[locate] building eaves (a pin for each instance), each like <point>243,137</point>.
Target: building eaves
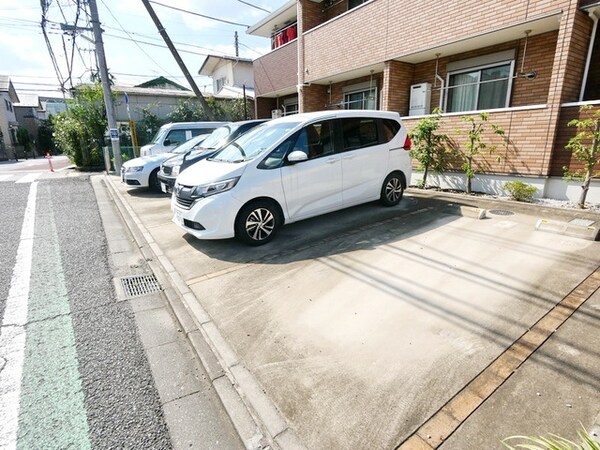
<point>210,63</point>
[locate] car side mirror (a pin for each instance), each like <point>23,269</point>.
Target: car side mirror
<point>297,156</point>
<point>167,142</point>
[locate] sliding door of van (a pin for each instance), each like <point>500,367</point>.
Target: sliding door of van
<point>364,160</point>
<point>313,186</point>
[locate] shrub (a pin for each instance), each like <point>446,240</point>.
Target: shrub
<point>553,442</point>
<point>519,191</point>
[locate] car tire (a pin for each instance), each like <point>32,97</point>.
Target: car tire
<point>392,189</point>
<point>257,222</point>
<point>153,182</point>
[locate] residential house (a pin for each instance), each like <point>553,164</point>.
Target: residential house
<point>29,112</point>
<point>531,65</point>
<point>232,77</point>
<point>8,120</point>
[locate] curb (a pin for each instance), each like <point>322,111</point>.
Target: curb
<point>257,420</point>
<point>568,229</point>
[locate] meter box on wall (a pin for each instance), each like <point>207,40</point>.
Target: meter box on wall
<point>420,99</point>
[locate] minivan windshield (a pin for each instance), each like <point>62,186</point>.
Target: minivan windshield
<point>159,135</point>
<point>217,138</point>
<point>189,145</point>
<point>251,144</point>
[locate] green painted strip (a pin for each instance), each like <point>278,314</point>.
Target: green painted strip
<point>52,412</point>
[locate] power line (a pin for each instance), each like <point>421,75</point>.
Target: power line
<point>254,6</point>
<point>201,15</point>
<point>136,43</point>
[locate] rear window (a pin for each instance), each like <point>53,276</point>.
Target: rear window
<point>199,131</point>
<point>390,129</point>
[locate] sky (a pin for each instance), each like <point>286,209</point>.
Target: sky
<point>25,57</point>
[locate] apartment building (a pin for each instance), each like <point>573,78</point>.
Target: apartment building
<point>530,63</point>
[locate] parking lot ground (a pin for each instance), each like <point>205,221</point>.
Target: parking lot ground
<point>362,325</point>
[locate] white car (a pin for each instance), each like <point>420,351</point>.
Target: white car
<point>291,169</point>
<point>142,172</point>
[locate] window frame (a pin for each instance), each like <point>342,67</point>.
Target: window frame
<point>479,69</point>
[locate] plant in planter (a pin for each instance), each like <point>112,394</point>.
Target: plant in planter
<point>585,146</point>
<point>428,148</point>
<point>552,442</point>
<point>475,144</point>
<point>519,191</point>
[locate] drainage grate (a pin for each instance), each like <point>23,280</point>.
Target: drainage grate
<point>500,212</point>
<point>581,222</point>
<point>139,285</point>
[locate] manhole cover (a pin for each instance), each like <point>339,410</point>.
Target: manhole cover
<point>139,285</point>
<point>581,222</point>
<point>501,212</point>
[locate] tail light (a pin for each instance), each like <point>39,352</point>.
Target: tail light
<point>407,143</point>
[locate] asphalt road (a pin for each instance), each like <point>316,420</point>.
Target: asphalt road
<point>82,365</point>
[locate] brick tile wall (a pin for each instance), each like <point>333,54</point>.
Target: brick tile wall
<point>379,29</point>
<point>521,152</point>
<point>276,70</point>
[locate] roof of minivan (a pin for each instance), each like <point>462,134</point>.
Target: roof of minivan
<point>193,124</point>
<point>302,117</point>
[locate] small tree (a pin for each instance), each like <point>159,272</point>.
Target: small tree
<point>24,139</point>
<point>475,144</point>
<point>586,148</point>
<point>428,148</point>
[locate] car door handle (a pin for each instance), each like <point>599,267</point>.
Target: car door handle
<point>332,160</point>
<point>349,156</point>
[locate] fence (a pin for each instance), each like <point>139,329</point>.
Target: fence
<point>127,153</point>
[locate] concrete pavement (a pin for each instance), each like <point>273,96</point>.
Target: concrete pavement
<point>410,327</point>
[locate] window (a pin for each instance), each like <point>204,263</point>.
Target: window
<point>390,129</point>
<point>480,83</point>
<point>176,137</point>
<point>366,99</point>
<point>359,133</point>
<point>315,140</point>
<point>355,3</point>
<point>290,108</point>
<point>220,83</point>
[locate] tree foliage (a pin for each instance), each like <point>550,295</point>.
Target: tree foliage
<point>475,143</point>
<point>428,145</point>
<point>79,132</point>
<point>585,146</point>
<point>24,139</point>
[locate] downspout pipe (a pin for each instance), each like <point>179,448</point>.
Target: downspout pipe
<point>594,15</point>
<point>300,46</point>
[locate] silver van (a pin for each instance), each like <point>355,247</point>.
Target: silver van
<point>171,135</point>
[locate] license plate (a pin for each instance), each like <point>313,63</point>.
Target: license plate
<point>164,188</point>
<point>178,217</point>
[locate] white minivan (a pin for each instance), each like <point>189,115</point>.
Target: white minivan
<point>172,134</point>
<point>293,168</point>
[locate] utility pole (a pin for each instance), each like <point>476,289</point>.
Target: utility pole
<point>108,101</point>
<point>188,77</point>
<point>237,45</point>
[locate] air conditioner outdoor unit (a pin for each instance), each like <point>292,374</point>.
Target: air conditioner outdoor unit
<point>276,113</point>
<point>420,99</point>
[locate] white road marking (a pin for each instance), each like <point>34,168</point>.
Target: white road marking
<point>30,177</point>
<point>5,177</point>
<point>13,332</point>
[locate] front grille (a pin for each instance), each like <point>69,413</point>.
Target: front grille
<point>184,202</point>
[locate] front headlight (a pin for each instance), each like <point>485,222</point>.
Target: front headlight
<point>217,187</point>
<point>134,169</point>
<point>175,170</point>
